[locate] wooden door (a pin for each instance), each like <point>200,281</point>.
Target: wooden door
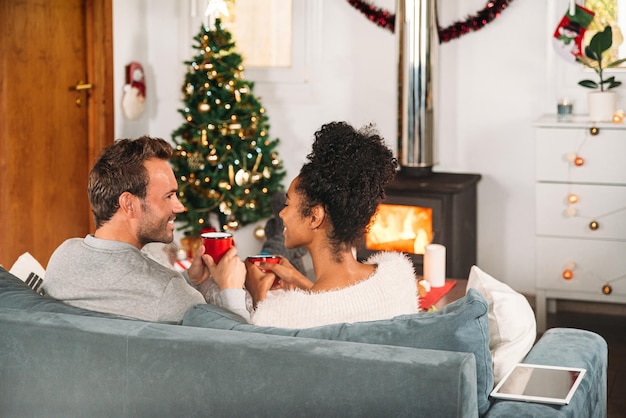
<point>50,134</point>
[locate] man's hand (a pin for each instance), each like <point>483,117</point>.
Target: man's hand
<point>230,272</point>
<point>198,272</point>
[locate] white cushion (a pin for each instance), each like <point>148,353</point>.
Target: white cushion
<point>28,269</point>
<point>512,324</point>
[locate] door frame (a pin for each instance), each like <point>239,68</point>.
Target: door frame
<point>101,120</point>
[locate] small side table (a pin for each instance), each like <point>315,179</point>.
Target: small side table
<point>457,292</point>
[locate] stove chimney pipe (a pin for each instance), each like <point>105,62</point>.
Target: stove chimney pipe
<point>418,41</point>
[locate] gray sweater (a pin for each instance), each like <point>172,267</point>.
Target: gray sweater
<point>115,277</point>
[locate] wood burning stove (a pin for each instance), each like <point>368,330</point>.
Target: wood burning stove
<point>450,201</point>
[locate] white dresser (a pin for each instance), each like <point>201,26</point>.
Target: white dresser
<point>580,212</point>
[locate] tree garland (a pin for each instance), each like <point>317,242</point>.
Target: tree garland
<point>386,19</point>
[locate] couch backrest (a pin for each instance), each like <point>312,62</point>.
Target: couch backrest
<point>59,365</point>
<point>461,326</point>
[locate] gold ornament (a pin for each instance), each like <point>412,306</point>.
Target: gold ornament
<point>195,161</point>
<point>190,244</point>
<point>212,158</point>
<point>259,232</point>
<point>255,177</point>
<point>607,289</point>
<point>203,107</point>
<point>242,177</point>
<point>225,208</point>
<point>593,225</point>
<point>223,184</point>
<point>213,194</point>
<point>232,225</point>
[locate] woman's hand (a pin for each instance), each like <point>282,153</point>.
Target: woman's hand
<point>230,272</point>
<point>258,282</point>
<point>289,277</point>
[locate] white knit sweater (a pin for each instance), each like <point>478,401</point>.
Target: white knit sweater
<point>390,291</point>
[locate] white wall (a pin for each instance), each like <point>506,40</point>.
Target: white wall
<point>493,84</point>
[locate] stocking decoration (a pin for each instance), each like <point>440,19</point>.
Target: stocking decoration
<point>569,33</point>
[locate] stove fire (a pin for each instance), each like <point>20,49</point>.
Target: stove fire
<point>400,228</point>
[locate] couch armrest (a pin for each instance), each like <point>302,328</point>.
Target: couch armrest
<point>566,347</point>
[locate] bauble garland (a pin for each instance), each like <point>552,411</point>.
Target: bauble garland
<point>386,19</point>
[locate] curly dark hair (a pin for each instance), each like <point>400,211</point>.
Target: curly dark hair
<point>347,173</point>
<point>120,169</point>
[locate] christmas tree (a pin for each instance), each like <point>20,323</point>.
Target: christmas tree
<point>225,162</point>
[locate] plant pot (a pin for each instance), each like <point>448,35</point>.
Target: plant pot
<point>602,105</point>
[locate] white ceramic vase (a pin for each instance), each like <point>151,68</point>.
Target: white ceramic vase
<point>602,105</point>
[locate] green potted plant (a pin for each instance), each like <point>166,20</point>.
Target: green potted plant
<point>602,101</point>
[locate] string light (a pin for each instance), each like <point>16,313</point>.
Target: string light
<point>575,159</point>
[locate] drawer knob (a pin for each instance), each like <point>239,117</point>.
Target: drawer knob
<point>607,289</point>
<point>594,130</point>
<point>593,225</point>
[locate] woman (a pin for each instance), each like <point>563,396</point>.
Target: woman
<point>328,209</point>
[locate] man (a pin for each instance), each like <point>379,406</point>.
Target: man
<point>133,195</point>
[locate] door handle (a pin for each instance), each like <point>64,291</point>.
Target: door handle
<point>81,86</point>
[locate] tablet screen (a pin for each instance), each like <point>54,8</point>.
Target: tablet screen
<point>539,383</point>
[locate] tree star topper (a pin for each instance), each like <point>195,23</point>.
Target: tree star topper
<point>214,10</point>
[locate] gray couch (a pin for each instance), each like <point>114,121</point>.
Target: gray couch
<point>61,361</point>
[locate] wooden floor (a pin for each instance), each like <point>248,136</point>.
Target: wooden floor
<point>613,329</point>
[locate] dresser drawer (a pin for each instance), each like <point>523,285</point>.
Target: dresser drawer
<point>596,264</point>
<point>603,155</point>
<point>604,204</point>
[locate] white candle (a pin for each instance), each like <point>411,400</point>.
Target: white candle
<point>435,265</point>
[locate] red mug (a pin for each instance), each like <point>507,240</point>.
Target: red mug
<point>262,258</point>
<point>217,243</point>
